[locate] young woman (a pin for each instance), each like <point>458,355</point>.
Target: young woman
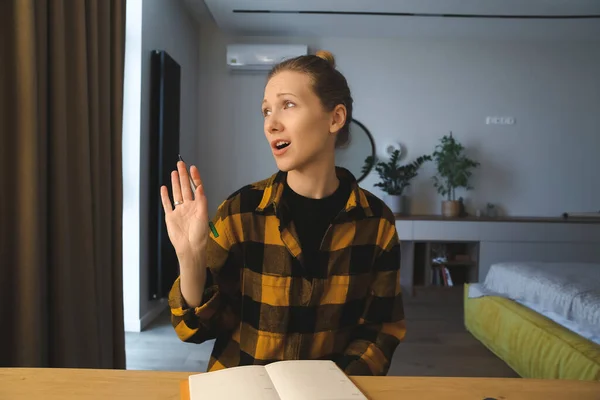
<point>302,265</point>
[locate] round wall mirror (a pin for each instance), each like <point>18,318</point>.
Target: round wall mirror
<point>352,156</point>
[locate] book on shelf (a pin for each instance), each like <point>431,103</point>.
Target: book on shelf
<point>282,380</point>
<point>441,276</point>
<point>447,277</point>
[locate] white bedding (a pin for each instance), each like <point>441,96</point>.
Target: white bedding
<point>566,291</point>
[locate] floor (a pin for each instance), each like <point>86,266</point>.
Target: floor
<point>436,344</point>
<point>158,348</point>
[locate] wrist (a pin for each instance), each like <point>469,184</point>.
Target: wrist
<point>192,257</point>
<point>190,263</point>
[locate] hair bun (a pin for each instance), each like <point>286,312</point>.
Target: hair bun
<point>327,56</point>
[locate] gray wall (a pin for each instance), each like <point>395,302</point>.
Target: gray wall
<point>165,25</point>
<point>414,91</point>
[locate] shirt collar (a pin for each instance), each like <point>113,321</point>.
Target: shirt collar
<point>276,183</point>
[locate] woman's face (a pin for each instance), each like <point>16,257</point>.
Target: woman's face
<point>299,130</point>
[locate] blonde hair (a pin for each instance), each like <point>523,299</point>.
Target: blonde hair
<point>327,56</point>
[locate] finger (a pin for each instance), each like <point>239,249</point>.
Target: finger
<point>176,186</point>
<point>195,174</point>
<point>200,191</point>
<point>184,180</point>
<point>166,201</point>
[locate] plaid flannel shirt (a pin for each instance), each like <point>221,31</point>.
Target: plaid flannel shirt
<point>262,305</point>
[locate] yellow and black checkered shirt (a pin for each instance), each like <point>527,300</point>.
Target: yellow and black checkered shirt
<point>260,303</point>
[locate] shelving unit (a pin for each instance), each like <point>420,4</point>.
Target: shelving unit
<point>459,259</point>
<point>491,240</point>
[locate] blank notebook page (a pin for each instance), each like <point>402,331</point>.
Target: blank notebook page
<point>251,382</point>
<point>315,380</point>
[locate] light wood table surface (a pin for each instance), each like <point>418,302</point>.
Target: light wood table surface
<point>82,384</point>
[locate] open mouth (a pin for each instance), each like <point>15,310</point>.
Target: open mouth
<point>282,144</point>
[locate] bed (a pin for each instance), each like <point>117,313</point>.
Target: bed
<point>542,319</point>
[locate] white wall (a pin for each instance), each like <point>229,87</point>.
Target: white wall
<point>416,90</point>
<point>131,165</point>
<point>164,25</point>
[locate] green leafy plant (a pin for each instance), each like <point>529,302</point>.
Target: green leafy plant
<point>453,167</point>
<point>394,177</point>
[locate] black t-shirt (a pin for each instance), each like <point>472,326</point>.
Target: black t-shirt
<point>312,218</point>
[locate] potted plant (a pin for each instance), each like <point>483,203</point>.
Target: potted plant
<point>453,171</point>
<point>395,178</point>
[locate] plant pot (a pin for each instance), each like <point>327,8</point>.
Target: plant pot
<point>398,204</point>
<point>451,208</point>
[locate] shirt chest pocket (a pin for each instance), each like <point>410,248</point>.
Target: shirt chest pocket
<point>266,289</point>
<point>340,289</point>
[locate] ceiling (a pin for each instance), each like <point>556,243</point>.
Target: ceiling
<point>400,18</point>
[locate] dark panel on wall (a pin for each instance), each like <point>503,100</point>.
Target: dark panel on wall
<point>164,149</point>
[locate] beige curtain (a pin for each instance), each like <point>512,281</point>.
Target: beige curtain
<point>61,88</point>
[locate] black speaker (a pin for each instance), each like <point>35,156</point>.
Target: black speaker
<point>165,75</point>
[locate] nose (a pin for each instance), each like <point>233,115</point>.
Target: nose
<point>273,124</point>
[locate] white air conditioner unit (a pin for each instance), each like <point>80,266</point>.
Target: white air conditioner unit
<point>261,57</point>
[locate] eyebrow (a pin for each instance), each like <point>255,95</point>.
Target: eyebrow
<point>279,95</point>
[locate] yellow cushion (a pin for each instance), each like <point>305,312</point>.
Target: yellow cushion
<point>531,344</point>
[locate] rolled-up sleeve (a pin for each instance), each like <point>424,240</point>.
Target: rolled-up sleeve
<point>382,326</point>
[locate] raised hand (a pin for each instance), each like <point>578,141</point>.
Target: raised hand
<point>187,222</point>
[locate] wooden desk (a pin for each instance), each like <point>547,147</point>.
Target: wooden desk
<point>82,384</point>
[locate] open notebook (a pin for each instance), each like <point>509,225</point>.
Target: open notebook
<point>283,380</point>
